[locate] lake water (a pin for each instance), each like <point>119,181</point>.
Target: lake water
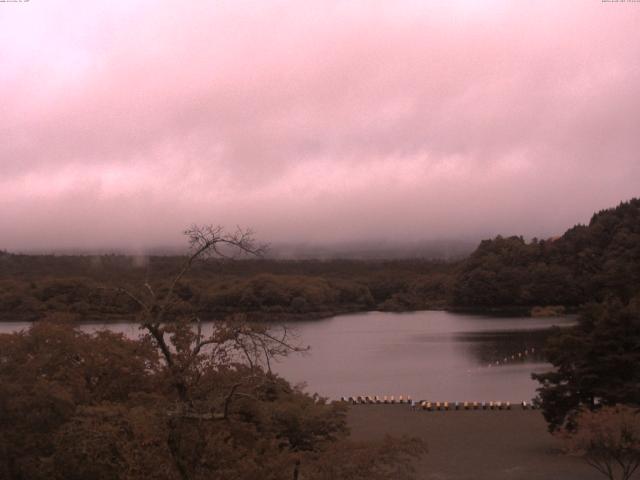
<point>432,355</point>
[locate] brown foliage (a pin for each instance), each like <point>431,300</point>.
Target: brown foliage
<point>80,406</point>
<point>609,440</point>
<point>178,403</point>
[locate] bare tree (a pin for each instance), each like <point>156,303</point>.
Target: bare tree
<point>609,440</point>
<point>189,354</point>
<point>181,340</point>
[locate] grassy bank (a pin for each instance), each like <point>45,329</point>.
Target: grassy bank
<point>474,445</point>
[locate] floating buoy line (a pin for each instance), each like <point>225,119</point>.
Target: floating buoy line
<point>513,358</point>
<point>444,406</point>
<point>436,406</point>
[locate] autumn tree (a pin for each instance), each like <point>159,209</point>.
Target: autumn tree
<point>49,373</point>
<point>209,371</point>
<point>608,439</point>
<point>185,401</point>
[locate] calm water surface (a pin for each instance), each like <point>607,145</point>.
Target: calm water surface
<point>429,355</point>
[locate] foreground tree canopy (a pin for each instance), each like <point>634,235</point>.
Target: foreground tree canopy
<point>177,403</point>
<point>85,406</point>
<point>596,363</point>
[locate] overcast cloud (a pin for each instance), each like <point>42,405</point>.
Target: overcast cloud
<point>125,121</point>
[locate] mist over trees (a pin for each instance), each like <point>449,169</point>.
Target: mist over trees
<point>587,263</point>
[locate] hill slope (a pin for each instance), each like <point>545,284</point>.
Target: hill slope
<point>587,263</point>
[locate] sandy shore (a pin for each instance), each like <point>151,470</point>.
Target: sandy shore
<point>478,445</point>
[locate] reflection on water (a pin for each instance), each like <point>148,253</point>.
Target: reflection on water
<point>505,347</point>
<point>432,354</point>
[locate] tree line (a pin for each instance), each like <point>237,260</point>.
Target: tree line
<point>34,286</point>
<point>587,263</point>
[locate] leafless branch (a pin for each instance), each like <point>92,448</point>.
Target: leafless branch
<point>126,292</point>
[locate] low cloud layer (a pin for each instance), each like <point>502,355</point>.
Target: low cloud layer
<point>125,121</point>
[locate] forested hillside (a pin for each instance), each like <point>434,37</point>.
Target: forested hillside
<point>587,263</point>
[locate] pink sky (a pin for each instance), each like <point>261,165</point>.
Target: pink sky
<point>125,121</point>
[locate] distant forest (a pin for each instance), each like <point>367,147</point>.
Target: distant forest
<point>587,263</point>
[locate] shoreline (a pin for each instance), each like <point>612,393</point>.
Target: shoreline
<point>275,317</point>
